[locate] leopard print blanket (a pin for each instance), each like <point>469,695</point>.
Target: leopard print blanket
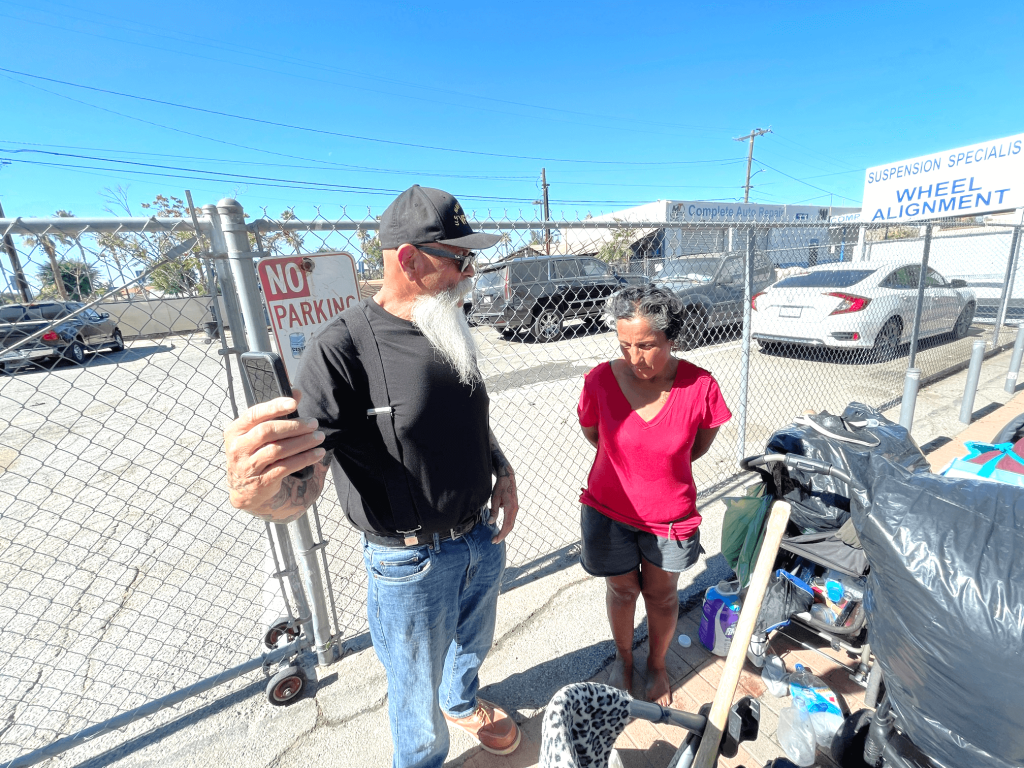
<point>581,724</point>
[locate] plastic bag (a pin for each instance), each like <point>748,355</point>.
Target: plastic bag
<point>796,734</point>
<point>774,675</point>
<point>945,602</point>
<point>820,502</point>
<point>743,530</point>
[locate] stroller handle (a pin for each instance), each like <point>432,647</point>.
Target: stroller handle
<point>656,713</point>
<point>794,462</point>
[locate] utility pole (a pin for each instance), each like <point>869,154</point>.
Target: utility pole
<point>750,156</point>
<point>19,274</point>
<point>547,214</point>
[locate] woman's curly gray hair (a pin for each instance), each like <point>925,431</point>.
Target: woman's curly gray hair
<point>658,306</point>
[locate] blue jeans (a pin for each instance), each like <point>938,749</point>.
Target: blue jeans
<point>432,611</point>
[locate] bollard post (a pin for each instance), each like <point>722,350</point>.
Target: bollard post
<point>911,382</point>
<point>973,375</point>
<point>1018,350</point>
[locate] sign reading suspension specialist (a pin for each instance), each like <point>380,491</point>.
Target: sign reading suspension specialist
<point>303,294</point>
<point>968,181</point>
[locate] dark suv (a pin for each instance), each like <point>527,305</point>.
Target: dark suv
<point>538,294</point>
<point>53,333</point>
<point>711,287</point>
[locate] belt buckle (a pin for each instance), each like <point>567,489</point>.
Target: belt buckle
<point>409,538</point>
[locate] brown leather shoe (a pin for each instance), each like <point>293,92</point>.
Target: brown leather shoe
<point>496,731</point>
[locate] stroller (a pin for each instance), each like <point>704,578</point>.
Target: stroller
<point>945,613</point>
<point>820,552</point>
<point>583,720</point>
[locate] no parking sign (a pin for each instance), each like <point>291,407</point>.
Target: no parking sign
<point>303,294</point>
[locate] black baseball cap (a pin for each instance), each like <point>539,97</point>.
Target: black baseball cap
<point>423,215</point>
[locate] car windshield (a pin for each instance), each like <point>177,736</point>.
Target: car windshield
<point>491,279</point>
<point>826,278</point>
<point>696,269</point>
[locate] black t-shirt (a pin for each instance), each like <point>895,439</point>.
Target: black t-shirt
<point>442,424</point>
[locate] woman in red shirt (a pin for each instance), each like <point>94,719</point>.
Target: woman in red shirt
<point>650,415</point>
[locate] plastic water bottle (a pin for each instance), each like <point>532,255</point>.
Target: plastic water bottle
<point>796,734</point>
<point>821,703</point>
<point>774,676</point>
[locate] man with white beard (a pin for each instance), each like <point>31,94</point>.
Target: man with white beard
<point>391,399</point>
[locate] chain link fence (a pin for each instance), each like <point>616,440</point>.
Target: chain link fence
<point>126,573</point>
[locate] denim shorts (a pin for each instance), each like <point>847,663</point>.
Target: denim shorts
<point>611,548</point>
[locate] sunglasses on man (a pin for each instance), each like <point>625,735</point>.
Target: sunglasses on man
<point>465,262</point>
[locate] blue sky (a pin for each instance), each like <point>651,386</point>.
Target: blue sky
<point>622,104</point>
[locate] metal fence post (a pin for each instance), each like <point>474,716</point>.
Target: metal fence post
<point>911,382</point>
<point>296,538</point>
<point>1018,350</point>
<point>859,254</point>
<point>228,293</point>
<point>920,295</point>
<point>236,237</point>
<point>748,290</point>
<point>1007,289</point>
<point>973,375</point>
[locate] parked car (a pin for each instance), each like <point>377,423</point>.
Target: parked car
<point>861,305</point>
<point>988,290</point>
<point>62,336</point>
<point>711,288</point>
<point>539,294</point>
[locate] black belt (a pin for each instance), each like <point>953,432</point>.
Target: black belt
<point>398,540</point>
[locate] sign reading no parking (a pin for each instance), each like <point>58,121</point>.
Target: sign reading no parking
<point>303,294</point>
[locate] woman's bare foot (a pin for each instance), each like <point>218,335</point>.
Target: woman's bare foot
<point>620,675</point>
<point>659,689</point>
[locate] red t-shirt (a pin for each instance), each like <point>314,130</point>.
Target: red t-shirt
<point>642,474</point>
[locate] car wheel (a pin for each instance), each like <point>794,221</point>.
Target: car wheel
<point>887,342</point>
<point>75,352</point>
<point>963,322</point>
<point>695,327</point>
<point>118,344</point>
<point>548,325</point>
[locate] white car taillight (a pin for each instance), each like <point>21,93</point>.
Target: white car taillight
<point>850,303</point>
<point>753,300</point>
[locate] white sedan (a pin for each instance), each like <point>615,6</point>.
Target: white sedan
<point>860,305</point>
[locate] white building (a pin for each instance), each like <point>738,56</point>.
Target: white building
<point>675,228</point>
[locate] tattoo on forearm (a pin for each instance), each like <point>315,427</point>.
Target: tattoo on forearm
<point>296,493</point>
<point>501,465</point>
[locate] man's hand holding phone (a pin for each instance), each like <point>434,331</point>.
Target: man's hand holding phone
<point>264,447</point>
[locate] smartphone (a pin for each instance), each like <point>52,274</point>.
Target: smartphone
<point>269,380</point>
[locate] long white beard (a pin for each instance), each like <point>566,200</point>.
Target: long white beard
<point>442,321</point>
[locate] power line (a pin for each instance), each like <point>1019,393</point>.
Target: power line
<point>295,61</point>
<point>812,186</point>
<point>162,171</point>
<point>341,166</point>
<point>324,132</point>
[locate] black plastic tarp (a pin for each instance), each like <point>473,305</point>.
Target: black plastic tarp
<point>820,502</point>
<point>945,602</point>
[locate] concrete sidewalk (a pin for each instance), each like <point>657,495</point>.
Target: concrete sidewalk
<point>551,631</point>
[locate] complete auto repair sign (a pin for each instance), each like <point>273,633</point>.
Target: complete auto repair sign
<point>303,294</point>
